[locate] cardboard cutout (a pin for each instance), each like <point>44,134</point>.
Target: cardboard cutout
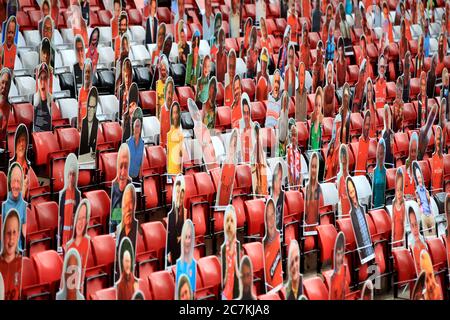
<point>274,102</point>
<point>184,289</point>
<point>80,59</point>
<point>119,185</point>
<point>186,263</point>
<point>415,242</point>
<point>5,106</point>
<point>175,140</point>
<point>84,4</point>
<point>203,136</point>
<point>10,32</point>
<point>45,56</point>
<point>69,200</point>
<point>294,283</point>
<point>92,50</point>
<point>84,91</point>
<point>228,171</point>
<point>277,194</point>
<point>161,36</point>
<point>419,287</point>
<point>259,165</point>
<point>272,249</point>
<point>437,162</point>
<point>235,18</point>
<point>123,85</point>
<point>252,55</point>
<point>117,9</point>
<point>15,202</point>
<point>138,295</point>
<point>379,177</point>
<point>55,10</point>
<point>89,129</point>
<point>363,146</point>
<point>329,92</point>
<point>246,280</point>
<point>151,21</point>
<point>426,131</point>
<point>423,200</point>
<point>203,81</point>
<point>2,288</point>
<point>122,27</point>
<point>220,57</point>
<point>367,291</point>
<point>312,197</point>
<point>294,157</point>
<point>301,95</point>
<point>136,144</point>
<point>175,221</point>
<point>128,115</point>
<point>193,61</point>
<point>236,101</point>
<point>209,106</point>
<point>388,137</point>
<point>433,290</point>
<point>282,131</point>
<point>128,227</point>
<point>246,128</point>
<point>21,156</point>
<point>163,70</point>
<point>11,256</point>
<point>398,212</point>
<point>344,202</point>
<point>183,46</point>
<point>42,101</point>
<point>77,22</point>
<point>262,77</point>
<point>169,91</point>
<point>229,78</point>
<point>230,256</point>
<point>359,224</point>
<point>71,277</point>
<point>127,283</point>
<point>290,72</point>
<point>12,6</point>
<point>338,278</point>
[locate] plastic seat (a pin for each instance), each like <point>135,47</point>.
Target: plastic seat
<point>105,294</point>
<point>151,129</point>
<point>154,235</point>
<point>315,289</point>
<point>327,235</point>
<point>109,106</point>
<point>108,167</point>
<point>48,265</point>
<point>100,208</point>
<point>148,100</point>
<point>249,87</point>
<point>162,285</point>
<point>112,132</point>
<point>184,93</point>
<point>26,86</point>
<point>254,250</point>
<point>209,270</point>
<point>405,269</point>
<point>254,215</point>
<point>140,52</point>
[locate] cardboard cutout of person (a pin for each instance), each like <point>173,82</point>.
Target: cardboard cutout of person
<point>127,284</point>
<point>84,91</point>
<point>123,85</point>
<point>89,129</point>
<point>344,202</point>
<point>12,6</point>
<point>161,36</point>
<point>294,158</point>
<point>42,101</point>
<point>437,162</point>
<point>282,126</point>
<point>15,202</point>
<point>71,277</point>
<point>209,106</point>
<point>78,66</point>
<point>294,283</point>
<point>55,10</point>
<point>367,291</point>
<point>290,72</point>
<point>175,221</point>
<point>203,81</point>
<point>313,194</point>
<point>203,136</point>
<point>84,4</point>
<point>379,177</point>
<point>246,128</point>
<point>5,106</point>
<point>92,50</point>
<point>433,290</point>
<point>363,146</point>
<point>221,57</point>
<point>315,134</point>
<point>398,212</point>
<point>69,200</point>
<point>424,202</point>
<point>128,226</point>
<point>419,287</point>
<point>229,78</point>
<point>136,145</point>
<point>415,242</point>
<point>163,70</point>
<point>277,194</point>
<point>273,269</point>
<point>151,21</point>
<point>409,172</point>
<point>359,224</point>
<point>10,256</point>
<point>78,23</point>
<point>228,171</point>
<point>339,276</point>
<point>169,91</point>
<point>246,280</point>
<point>262,77</point>
<point>184,289</point>
<point>119,184</point>
<point>230,256</point>
<point>21,156</point>
<point>259,165</point>
<point>186,263</point>
<point>80,239</point>
<point>175,141</point>
<point>447,238</point>
<point>128,115</point>
<point>117,9</point>
<point>193,65</point>
<point>45,56</point>
<point>10,38</point>
<point>426,131</point>
<point>236,100</point>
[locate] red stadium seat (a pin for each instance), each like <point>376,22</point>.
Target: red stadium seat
<point>68,139</point>
<point>223,118</point>
<point>315,289</point>
<point>258,110</point>
<point>100,209</point>
<point>209,270</point>
<point>105,294</point>
<point>254,215</point>
<point>108,167</point>
<point>254,250</point>
<point>405,269</point>
<point>148,100</point>
<point>155,242</point>
<point>249,87</point>
<point>327,235</point>
<point>164,15</point>
<point>162,285</point>
<point>48,266</point>
<point>112,133</point>
<point>134,17</point>
<point>184,93</point>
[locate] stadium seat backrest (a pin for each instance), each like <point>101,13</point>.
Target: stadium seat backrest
<point>382,221</point>
<point>295,203</point>
<point>108,163</point>
<point>345,225</point>
<point>162,285</point>
<point>154,237</point>
<point>254,250</point>
<point>210,271</point>
<point>47,215</point>
<point>404,265</point>
<point>48,265</point>
<point>243,177</point>
<point>104,248</point>
<point>69,139</point>
<point>438,253</point>
<point>315,289</point>
<point>254,215</point>
<point>327,237</point>
<point>100,203</point>
<point>106,294</point>
<point>44,143</point>
<point>156,158</point>
<point>204,184</point>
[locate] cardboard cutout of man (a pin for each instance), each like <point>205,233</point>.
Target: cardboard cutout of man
<point>8,48</point>
<point>228,171</point>
<point>313,193</point>
<point>246,280</point>
<point>89,129</point>
<point>42,101</point>
<point>294,283</point>
<point>5,106</point>
<point>259,165</point>
<point>127,283</point>
<point>246,128</point>
<point>71,277</point>
<point>398,212</point>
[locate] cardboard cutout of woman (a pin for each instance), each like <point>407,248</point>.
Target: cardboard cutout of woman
<point>229,77</point>
<point>89,128</point>
<point>282,131</point>
<point>193,61</point>
<point>119,184</point>
<point>259,165</point>
<point>10,256</point>
<point>273,269</point>
<point>344,202</point>
<point>78,23</point>
<point>339,276</point>
<point>128,115</point>
<point>294,283</point>
<point>252,55</point>
<point>203,136</point>
<point>92,50</point>
<point>433,290</point>
<point>424,202</point>
<point>69,199</point>
<point>262,77</point>
<point>388,137</point>
<point>84,91</point>
<point>363,146</point>
<point>127,284</point>
<point>209,106</point>
<point>71,277</point>
<point>169,90</point>
<point>379,177</point>
<point>230,256</point>
<point>409,171</point>
<point>16,202</point>
<point>211,33</point>
<point>136,145</point>
<point>21,156</point>
<point>367,291</point>
<point>80,240</point>
<point>416,243</point>
<point>331,161</point>
<point>313,194</point>
<point>246,280</point>
<point>175,140</point>
<point>398,212</point>
<point>426,131</point>
<point>228,171</point>
<point>129,226</point>
<point>186,263</point>
<point>246,128</point>
<point>5,106</point>
<point>10,38</point>
<point>294,157</point>
<point>315,133</point>
<point>277,194</point>
<point>329,92</point>
<point>290,72</point>
<point>359,224</point>
<point>163,73</point>
<point>184,289</point>
<point>175,221</point>
<point>437,162</point>
<point>203,81</point>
